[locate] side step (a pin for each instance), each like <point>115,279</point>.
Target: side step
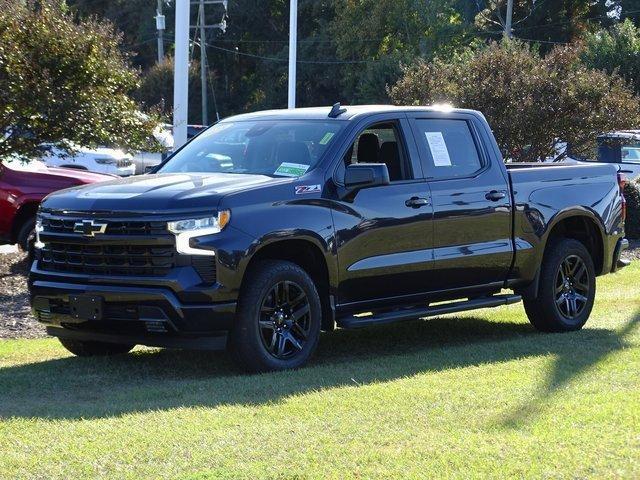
<point>420,312</point>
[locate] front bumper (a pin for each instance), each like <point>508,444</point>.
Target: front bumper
<point>132,314</point>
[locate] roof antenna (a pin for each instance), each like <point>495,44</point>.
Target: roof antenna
<point>336,111</point>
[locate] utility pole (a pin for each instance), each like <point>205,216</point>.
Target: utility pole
<point>160,26</point>
<point>203,66</point>
<point>181,74</point>
<point>507,26</point>
<point>293,51</point>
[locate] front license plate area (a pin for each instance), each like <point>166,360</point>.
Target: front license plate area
<point>85,307</point>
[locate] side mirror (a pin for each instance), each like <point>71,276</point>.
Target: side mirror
<point>366,175</point>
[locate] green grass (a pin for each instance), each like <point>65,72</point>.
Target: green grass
<point>477,395</point>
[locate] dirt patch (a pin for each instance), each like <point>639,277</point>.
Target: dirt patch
<point>16,320</point>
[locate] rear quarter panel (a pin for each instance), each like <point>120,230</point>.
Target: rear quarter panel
<point>546,195</point>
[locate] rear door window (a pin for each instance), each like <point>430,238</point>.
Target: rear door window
<point>448,148</point>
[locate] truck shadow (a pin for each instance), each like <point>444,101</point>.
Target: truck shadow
<point>74,388</point>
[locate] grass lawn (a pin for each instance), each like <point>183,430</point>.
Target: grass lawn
<point>473,395</point>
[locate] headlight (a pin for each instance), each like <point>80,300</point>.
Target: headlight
<point>185,230</point>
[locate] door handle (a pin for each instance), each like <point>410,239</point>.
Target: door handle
<point>417,202</point>
<point>495,195</point>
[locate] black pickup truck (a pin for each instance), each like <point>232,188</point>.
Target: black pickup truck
<point>270,227</point>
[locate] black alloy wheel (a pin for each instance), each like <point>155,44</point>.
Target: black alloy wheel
<point>572,287</point>
<point>285,320</point>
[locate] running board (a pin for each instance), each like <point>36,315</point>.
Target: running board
<point>420,312</point>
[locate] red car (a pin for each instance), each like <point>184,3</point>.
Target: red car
<point>22,188</point>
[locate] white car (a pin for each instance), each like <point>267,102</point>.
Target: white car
<point>100,160</point>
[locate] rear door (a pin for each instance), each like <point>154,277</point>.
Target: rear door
<point>471,201</point>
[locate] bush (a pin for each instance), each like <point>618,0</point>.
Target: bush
<point>632,194</point>
<point>530,101</point>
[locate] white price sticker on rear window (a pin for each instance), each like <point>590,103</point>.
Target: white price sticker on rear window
<point>438,148</point>
<point>292,169</point>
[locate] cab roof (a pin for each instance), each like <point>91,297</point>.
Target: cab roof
<point>351,112</point>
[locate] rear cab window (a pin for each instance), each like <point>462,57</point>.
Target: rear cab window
<point>448,148</point>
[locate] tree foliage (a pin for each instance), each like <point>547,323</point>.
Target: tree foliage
<point>63,82</point>
<point>530,101</point>
<point>615,50</point>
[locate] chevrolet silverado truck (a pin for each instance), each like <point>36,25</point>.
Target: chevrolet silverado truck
<point>270,227</point>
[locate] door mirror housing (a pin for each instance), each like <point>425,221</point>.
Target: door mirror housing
<point>366,175</point>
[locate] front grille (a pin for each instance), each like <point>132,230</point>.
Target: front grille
<point>66,225</point>
<point>123,162</point>
<point>135,248</point>
<point>122,260</point>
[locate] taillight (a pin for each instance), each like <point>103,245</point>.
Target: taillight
<point>622,182</point>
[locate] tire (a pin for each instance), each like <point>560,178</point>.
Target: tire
<point>27,236</point>
<point>82,348</point>
<point>274,330</point>
<point>567,288</point>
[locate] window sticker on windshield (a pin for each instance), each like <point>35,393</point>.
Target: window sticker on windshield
<point>438,148</point>
<point>327,138</point>
<point>292,169</point>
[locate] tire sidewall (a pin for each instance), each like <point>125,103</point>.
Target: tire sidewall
<point>564,249</point>
<point>247,337</point>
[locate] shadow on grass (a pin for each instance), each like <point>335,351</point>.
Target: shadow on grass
<point>71,388</point>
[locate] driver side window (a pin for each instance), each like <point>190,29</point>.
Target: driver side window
<point>380,143</point>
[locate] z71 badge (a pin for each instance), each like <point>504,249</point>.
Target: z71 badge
<point>305,189</point>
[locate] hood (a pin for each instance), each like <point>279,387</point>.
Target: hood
<point>82,176</point>
<point>156,193</point>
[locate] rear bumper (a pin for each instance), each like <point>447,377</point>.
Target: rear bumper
<point>136,315</point>
<point>618,261</point>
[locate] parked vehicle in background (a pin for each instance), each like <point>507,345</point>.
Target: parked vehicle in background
<point>22,188</point>
<point>145,161</point>
<point>99,160</point>
<point>621,148</point>
<point>193,130</point>
<point>269,227</point>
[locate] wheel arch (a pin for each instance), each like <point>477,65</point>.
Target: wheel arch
<point>308,255</point>
<point>583,226</point>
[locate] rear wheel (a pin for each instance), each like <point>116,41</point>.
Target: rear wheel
<point>83,348</point>
<point>567,288</point>
<point>278,319</point>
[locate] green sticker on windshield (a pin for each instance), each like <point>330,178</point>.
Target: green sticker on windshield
<point>327,138</point>
<point>292,169</point>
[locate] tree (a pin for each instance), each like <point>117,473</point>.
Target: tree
<point>615,50</point>
<point>543,21</point>
<point>383,34</point>
<point>531,102</point>
<point>64,83</point>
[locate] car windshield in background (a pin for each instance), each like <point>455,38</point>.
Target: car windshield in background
<point>631,154</point>
<point>282,148</point>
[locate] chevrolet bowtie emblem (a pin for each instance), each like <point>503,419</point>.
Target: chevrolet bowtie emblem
<point>89,228</point>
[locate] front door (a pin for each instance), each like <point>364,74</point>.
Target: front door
<point>471,201</point>
<point>384,234</point>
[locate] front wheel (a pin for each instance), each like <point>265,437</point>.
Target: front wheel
<point>567,288</point>
<point>278,319</point>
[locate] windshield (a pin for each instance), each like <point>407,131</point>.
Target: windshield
<point>631,153</point>
<point>281,148</point>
